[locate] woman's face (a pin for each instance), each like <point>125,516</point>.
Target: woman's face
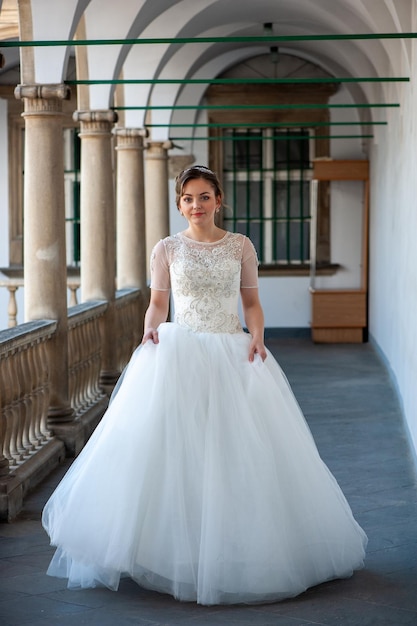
<point>199,202</point>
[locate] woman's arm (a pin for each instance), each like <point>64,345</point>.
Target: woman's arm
<point>254,320</point>
<point>156,314</point>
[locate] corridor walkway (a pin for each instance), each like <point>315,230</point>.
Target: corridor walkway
<point>353,412</point>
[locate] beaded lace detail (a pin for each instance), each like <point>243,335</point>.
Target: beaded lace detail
<point>205,281</point>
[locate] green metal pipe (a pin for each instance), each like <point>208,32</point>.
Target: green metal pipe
<point>248,107</point>
<point>238,81</point>
<point>275,138</point>
<point>184,40</point>
<point>266,124</point>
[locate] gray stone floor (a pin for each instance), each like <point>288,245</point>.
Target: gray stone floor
<point>353,412</point>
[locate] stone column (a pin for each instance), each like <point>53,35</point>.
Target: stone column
<point>97,216</point>
<point>156,193</point>
<point>130,202</point>
<point>45,273</point>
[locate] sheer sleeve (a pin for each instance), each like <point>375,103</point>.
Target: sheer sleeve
<point>249,274</point>
<point>160,280</point>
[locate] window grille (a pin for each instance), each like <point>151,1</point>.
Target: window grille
<point>267,175</point>
<point>72,195</point>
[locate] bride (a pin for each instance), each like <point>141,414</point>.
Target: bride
<point>203,480</point>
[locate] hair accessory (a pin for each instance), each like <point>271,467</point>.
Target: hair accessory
<point>201,168</point>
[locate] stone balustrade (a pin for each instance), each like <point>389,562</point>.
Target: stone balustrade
<point>24,399</point>
<point>130,310</point>
<point>29,446</point>
<point>84,347</point>
<point>15,282</point>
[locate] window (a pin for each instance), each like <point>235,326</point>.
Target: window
<point>72,195</point>
<point>266,175</point>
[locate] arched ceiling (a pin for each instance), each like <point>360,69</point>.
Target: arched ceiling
<point>149,19</point>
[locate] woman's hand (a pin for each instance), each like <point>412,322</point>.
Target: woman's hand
<point>155,315</point>
<point>150,334</point>
<point>257,347</point>
<point>254,319</point>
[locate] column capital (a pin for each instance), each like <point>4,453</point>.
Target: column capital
<point>42,99</point>
<point>101,115</point>
<point>43,92</point>
<point>129,138</point>
<point>95,122</point>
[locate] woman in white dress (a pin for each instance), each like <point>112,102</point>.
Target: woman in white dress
<point>203,480</point>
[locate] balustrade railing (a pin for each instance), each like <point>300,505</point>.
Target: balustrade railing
<point>84,348</point>
<point>24,380</point>
<point>130,306</point>
<point>24,392</point>
<point>15,281</point>
<point>27,445</point>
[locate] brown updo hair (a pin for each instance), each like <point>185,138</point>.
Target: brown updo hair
<point>193,172</point>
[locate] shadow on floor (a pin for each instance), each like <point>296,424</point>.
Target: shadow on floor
<point>354,415</point>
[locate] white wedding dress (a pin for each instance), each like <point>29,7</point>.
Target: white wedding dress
<point>202,479</point>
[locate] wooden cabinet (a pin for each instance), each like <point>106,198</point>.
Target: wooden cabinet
<point>340,315</point>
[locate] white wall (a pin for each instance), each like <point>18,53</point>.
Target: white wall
<point>346,224</point>
<point>393,248</point>
<point>286,301</point>
<point>353,147</point>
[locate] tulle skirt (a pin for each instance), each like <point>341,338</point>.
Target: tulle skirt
<point>202,481</point>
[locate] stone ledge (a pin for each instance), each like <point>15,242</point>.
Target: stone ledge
<point>68,441</point>
<point>74,435</point>
<point>15,486</point>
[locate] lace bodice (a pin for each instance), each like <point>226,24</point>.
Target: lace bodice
<point>205,279</point>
